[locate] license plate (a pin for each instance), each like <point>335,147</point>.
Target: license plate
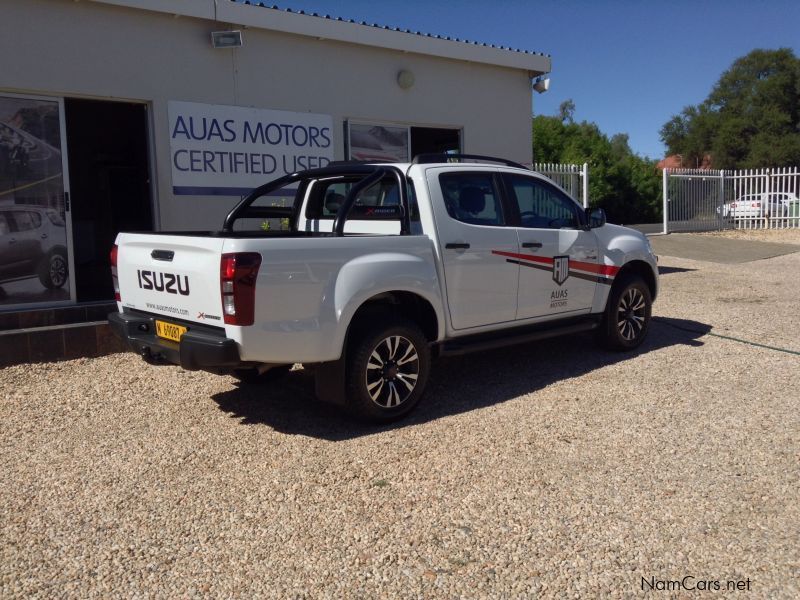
<point>169,331</point>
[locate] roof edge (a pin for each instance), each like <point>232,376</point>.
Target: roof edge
<point>258,15</point>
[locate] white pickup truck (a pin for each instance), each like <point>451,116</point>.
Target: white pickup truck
<point>367,271</point>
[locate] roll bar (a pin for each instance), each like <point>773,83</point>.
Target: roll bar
<point>371,175</point>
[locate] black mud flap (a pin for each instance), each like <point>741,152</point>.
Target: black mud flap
<point>329,381</point>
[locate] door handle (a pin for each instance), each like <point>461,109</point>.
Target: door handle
<point>456,245</point>
<point>531,244</point>
<point>12,241</point>
<point>44,236</point>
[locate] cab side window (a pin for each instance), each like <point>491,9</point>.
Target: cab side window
<point>379,201</point>
<point>541,205</point>
<point>472,198</point>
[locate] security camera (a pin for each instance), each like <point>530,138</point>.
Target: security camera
<point>541,85</point>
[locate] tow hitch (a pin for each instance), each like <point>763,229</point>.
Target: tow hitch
<point>149,356</point>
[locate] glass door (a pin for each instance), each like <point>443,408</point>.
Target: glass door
<point>35,225</point>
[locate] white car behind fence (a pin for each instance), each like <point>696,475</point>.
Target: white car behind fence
<point>764,205</point>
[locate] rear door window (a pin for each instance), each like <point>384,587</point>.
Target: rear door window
<point>472,198</point>
<point>26,220</point>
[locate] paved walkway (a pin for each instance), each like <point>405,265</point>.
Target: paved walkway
<point>717,249</point>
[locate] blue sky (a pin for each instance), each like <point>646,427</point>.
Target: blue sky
<point>628,66</point>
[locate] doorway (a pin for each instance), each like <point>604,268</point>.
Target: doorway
<point>370,141</point>
<point>431,140</point>
<point>109,183</point>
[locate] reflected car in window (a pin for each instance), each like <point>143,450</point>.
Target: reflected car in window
<point>33,244</point>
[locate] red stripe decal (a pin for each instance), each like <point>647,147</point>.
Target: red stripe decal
<point>605,270</point>
<point>537,259</point>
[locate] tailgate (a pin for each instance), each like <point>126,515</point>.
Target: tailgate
<point>171,275</point>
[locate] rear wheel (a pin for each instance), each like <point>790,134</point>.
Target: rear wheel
<point>53,271</point>
<point>627,316</point>
<point>388,370</point>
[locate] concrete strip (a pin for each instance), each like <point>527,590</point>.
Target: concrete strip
<point>717,249</point>
<point>648,228</point>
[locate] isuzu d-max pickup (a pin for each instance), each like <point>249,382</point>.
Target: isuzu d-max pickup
<point>365,272</point>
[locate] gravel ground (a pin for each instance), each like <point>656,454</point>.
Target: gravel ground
<point>547,470</point>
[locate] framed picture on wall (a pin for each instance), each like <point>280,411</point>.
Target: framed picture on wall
<point>375,141</point>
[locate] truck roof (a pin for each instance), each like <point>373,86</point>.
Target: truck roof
<point>440,160</point>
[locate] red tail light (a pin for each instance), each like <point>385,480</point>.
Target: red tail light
<point>114,278</point>
<point>237,280</point>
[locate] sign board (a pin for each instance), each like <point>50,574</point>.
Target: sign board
<point>229,150</point>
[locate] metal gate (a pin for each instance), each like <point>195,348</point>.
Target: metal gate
<point>708,200</point>
<point>693,200</point>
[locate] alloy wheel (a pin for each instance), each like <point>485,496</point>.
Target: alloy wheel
<point>58,271</point>
<point>631,314</point>
<point>392,371</point>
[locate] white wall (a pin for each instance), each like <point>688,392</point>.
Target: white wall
<point>62,47</point>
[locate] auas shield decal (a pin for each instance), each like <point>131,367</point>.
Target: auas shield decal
<point>560,269</point>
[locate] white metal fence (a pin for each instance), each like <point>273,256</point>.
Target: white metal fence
<point>704,200</point>
<point>573,178</point>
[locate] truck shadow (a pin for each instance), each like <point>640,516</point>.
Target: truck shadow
<point>456,385</point>
<point>670,270</point>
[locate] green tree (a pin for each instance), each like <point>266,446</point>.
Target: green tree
<point>627,186</point>
<point>566,111</point>
<point>619,146</point>
<point>750,119</point>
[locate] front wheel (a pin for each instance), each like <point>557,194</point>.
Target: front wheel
<point>627,316</point>
<point>388,370</point>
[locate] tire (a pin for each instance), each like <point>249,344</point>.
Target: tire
<point>252,376</point>
<point>627,315</point>
<point>53,271</point>
<point>388,369</point>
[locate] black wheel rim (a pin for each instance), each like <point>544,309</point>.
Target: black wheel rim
<point>58,271</point>
<point>631,314</point>
<point>392,371</point>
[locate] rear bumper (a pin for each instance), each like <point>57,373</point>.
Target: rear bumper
<point>199,348</point>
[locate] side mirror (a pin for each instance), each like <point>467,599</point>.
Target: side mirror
<point>595,217</point>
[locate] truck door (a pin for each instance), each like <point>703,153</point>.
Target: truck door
<point>558,258</point>
<point>472,229</point>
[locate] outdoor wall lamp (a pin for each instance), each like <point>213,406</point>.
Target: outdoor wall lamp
<point>541,85</point>
<point>405,79</point>
<point>226,39</point>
